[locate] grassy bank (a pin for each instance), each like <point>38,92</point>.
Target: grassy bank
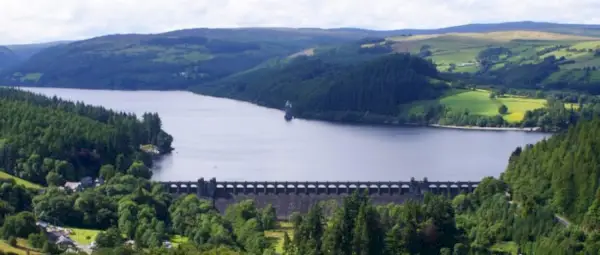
<point>27,184</point>
<point>21,248</point>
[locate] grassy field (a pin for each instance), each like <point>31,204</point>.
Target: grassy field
<point>587,45</point>
<point>508,247</point>
<point>518,106</point>
<point>4,175</point>
<point>84,236</point>
<point>479,103</point>
<point>32,77</point>
<point>20,249</point>
<point>525,48</point>
<point>276,236</point>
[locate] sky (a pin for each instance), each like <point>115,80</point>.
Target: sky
<point>31,21</point>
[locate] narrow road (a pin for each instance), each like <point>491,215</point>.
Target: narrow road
<point>560,219</point>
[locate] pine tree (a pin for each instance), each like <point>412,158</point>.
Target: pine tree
<point>393,245</point>
<point>288,248</point>
<point>361,240</point>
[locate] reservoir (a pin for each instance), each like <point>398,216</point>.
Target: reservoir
<point>238,141</point>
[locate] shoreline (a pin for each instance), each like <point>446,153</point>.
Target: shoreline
<point>532,129</point>
<point>320,118</point>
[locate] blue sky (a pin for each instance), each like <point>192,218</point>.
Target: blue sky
<point>27,21</point>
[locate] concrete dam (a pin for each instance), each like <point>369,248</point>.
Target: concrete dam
<point>289,197</point>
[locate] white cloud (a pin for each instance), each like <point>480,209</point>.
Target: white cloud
<point>25,21</point>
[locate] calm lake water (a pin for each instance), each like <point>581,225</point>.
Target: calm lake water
<point>233,140</point>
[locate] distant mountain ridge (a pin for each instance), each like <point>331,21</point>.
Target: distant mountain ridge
<point>189,57</point>
<point>578,29</point>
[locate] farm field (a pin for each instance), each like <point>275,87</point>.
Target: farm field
<point>478,102</point>
<point>460,52</point>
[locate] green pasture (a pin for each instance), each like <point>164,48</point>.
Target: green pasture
<point>478,102</point>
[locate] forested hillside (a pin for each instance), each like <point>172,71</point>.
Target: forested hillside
<point>43,136</point>
<point>325,88</point>
<point>172,60</point>
<point>562,173</point>
<point>7,58</point>
<point>25,51</point>
<point>50,141</point>
<point>183,58</point>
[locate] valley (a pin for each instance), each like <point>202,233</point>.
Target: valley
<point>341,75</point>
<point>114,146</point>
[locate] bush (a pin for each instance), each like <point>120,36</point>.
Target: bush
<point>54,179</point>
<point>37,240</point>
<point>12,241</point>
<point>503,109</point>
<point>20,225</point>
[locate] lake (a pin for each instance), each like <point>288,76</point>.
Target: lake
<point>236,141</point>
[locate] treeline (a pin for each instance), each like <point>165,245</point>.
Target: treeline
<point>40,135</point>
<point>480,223</point>
<point>319,87</point>
<point>133,208</point>
<point>358,227</point>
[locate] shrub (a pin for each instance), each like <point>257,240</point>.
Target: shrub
<point>12,241</point>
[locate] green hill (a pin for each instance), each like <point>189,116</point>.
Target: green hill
<point>561,172</point>
<point>44,136</point>
<point>324,88</point>
<point>25,51</point>
<point>172,60</point>
<point>183,58</point>
<point>7,58</point>
<point>517,59</point>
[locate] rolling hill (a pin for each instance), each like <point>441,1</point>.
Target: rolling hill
<point>183,58</point>
<point>365,91</point>
<point>7,58</point>
<point>25,51</point>
<point>518,59</point>
<point>575,29</point>
<point>172,60</point>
